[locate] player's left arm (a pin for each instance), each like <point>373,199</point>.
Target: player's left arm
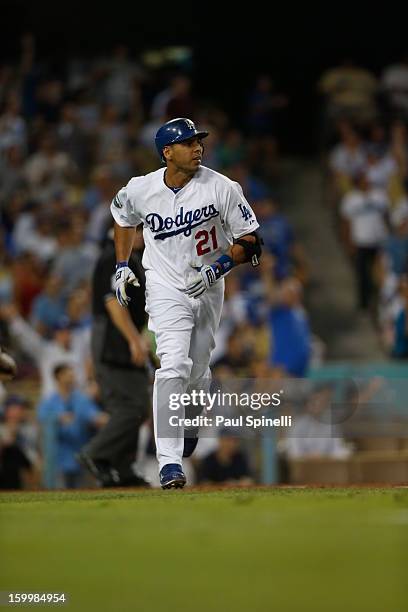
<point>246,248</point>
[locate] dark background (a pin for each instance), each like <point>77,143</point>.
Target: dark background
<point>230,46</point>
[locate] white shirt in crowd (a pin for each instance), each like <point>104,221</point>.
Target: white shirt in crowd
<point>395,82</point>
<point>47,354</point>
<point>311,438</point>
<point>347,161</point>
<point>366,213</point>
<point>380,173</point>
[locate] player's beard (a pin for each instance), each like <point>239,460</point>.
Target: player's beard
<point>189,170</point>
<point>195,164</point>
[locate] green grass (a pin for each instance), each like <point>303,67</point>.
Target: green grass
<point>228,550</point>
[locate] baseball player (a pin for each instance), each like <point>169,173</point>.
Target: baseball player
<point>197,225</point>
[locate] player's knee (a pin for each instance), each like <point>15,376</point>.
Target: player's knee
<point>176,365</point>
<point>200,375</point>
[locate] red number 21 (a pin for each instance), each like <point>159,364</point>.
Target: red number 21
<point>203,237</point>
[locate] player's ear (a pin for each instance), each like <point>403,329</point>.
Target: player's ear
<point>167,152</point>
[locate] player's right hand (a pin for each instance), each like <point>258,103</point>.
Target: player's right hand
<point>124,276</point>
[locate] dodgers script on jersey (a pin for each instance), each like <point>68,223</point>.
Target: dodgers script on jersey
<point>185,230</point>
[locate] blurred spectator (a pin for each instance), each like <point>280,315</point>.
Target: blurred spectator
<point>394,82</point>
<point>78,313</point>
<point>24,224</point>
<point>75,259</point>
<point>18,444</point>
<point>350,93</point>
<point>88,112</point>
<point>48,307</point>
<point>400,347</point>
<point>380,168</point>
<point>28,281</point>
<point>264,106</point>
<point>378,136</point>
<point>6,278</point>
<point>347,159</point>
<point>33,233</point>
<point>399,148</point>
<point>72,138</point>
<point>233,314</point>
<point>313,434</point>
<point>262,157</point>
<point>291,341</point>
<point>396,245</point>
<point>226,465</point>
<point>390,301</point>
<point>364,210</point>
<point>147,135</point>
<point>231,149</point>
<point>48,169</point>
<point>111,135</point>
<point>101,195</point>
<point>74,416</point>
<point>13,131</point>
<point>11,175</point>
<point>180,102</point>
<point>49,96</point>
<point>254,188</point>
<point>212,147</point>
<point>237,354</point>
<point>174,100</point>
<point>279,240</point>
<point>29,72</point>
<point>120,77</point>
<point>45,354</point>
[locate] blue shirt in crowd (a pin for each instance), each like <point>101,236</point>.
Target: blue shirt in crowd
<point>291,344</point>
<point>70,438</point>
<point>396,248</point>
<point>401,337</point>
<point>47,311</point>
<point>278,237</point>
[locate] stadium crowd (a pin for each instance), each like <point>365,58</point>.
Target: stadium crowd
<point>71,137</point>
<point>365,125</point>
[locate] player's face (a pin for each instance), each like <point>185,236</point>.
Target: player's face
<point>187,155</point>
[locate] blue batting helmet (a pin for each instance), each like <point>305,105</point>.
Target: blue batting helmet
<point>176,130</point>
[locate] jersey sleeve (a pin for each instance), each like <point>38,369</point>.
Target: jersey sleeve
<point>123,207</point>
<point>239,218</point>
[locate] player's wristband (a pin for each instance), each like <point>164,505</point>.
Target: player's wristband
<point>121,264</point>
<point>222,265</point>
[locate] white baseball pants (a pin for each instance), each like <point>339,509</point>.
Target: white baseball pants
<point>184,328</point>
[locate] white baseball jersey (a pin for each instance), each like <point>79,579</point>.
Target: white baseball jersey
<point>187,229</point>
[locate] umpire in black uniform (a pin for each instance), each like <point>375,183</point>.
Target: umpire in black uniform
<point>119,354</point>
